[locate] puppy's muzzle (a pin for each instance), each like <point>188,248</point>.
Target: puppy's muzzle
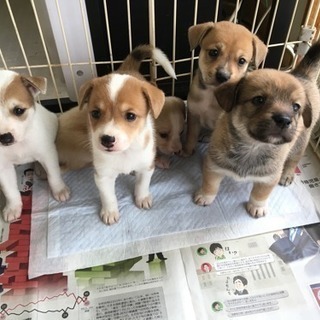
<point>108,141</point>
<point>282,121</point>
<point>6,139</point>
<point>222,76</point>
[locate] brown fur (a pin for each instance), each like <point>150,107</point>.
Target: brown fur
<point>22,91</point>
<point>74,123</point>
<point>263,133</point>
<point>169,128</point>
<point>227,50</point>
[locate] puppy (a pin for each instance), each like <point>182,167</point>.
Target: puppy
<point>264,130</point>
<point>27,134</point>
<point>169,129</point>
<point>73,140</point>
<point>226,51</point>
<point>116,114</point>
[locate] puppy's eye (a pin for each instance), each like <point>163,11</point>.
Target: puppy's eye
<point>130,116</point>
<point>259,101</point>
<point>296,107</point>
<point>242,61</point>
<point>18,111</point>
<point>163,135</point>
<point>213,53</point>
<point>95,114</point>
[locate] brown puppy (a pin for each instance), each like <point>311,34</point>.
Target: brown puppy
<point>227,49</point>
<point>169,128</point>
<point>264,130</point>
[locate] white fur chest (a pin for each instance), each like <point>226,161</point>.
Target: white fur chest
<point>135,158</point>
<point>18,153</point>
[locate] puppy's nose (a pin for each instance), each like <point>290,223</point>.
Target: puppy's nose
<point>177,149</point>
<point>222,76</point>
<point>6,139</point>
<point>282,121</point>
<point>108,141</point>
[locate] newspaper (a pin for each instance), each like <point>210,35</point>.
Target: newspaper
<point>265,276</point>
<point>308,172</point>
<point>254,277</point>
<point>131,289</point>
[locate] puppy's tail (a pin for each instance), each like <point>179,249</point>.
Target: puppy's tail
<point>310,64</point>
<point>133,61</point>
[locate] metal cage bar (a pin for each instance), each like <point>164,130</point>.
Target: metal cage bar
<point>263,12</point>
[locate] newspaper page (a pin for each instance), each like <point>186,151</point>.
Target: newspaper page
<point>129,289</point>
<point>148,287</point>
<point>308,171</point>
<point>268,276</point>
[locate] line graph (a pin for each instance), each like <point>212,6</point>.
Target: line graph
<point>46,305</point>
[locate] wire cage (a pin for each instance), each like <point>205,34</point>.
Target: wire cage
<point>70,42</point>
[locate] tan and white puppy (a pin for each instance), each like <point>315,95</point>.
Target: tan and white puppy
<point>116,114</point>
<point>27,134</point>
<point>226,51</point>
<point>263,133</point>
<point>169,129</point>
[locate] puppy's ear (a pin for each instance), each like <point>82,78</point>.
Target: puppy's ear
<point>307,115</point>
<point>35,85</point>
<point>84,93</point>
<point>154,98</point>
<point>197,33</point>
<point>226,95</point>
<point>260,51</point>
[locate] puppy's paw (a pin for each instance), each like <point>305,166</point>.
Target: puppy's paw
<point>286,178</point>
<point>12,213</point>
<point>255,210</point>
<point>202,199</point>
<point>162,162</point>
<point>109,217</point>
<point>62,195</point>
<point>144,203</point>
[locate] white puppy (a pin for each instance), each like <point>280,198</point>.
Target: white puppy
<point>27,134</point>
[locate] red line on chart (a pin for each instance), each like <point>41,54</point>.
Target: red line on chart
<point>77,300</point>
<point>48,298</point>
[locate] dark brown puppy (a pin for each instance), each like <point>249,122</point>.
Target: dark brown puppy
<point>266,126</point>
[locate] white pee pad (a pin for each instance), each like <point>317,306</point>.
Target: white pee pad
<point>71,235</point>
